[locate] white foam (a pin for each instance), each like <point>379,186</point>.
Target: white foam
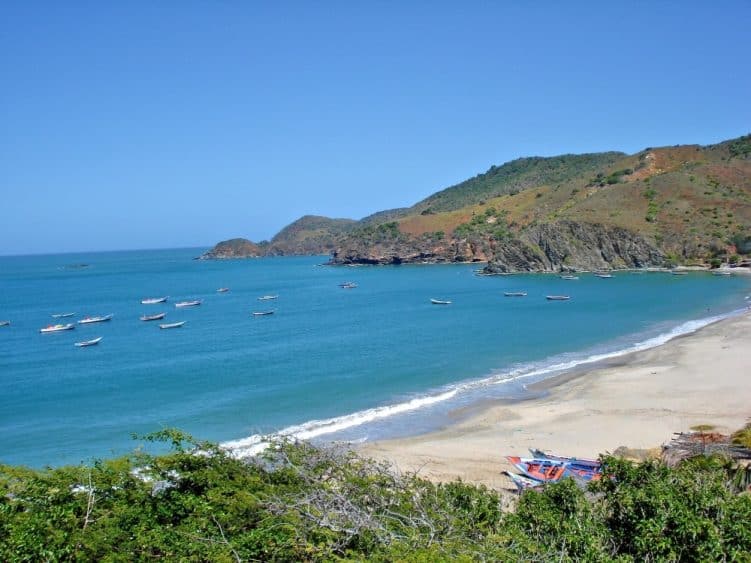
<point>255,444</point>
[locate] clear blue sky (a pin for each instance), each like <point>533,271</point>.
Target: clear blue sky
<point>145,124</point>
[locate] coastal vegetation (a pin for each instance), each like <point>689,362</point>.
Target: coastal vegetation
<point>301,503</point>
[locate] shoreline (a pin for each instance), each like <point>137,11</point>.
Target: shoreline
<point>637,401</point>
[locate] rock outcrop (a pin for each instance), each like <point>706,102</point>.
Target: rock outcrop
<point>571,245</point>
<point>233,248</point>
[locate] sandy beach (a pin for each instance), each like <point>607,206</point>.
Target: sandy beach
<point>701,378</point>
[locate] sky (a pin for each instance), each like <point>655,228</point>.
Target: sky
<point>142,124</point>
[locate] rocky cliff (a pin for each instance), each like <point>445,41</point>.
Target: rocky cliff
<point>233,248</point>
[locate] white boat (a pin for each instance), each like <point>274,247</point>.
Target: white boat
<point>222,290</point>
<point>62,315</point>
<point>262,313</point>
<point>604,276</point>
<point>722,273</point>
<point>569,277</point>
<point>678,273</point>
<point>348,285</point>
<point>440,302</point>
<point>85,343</point>
<point>267,297</point>
<point>188,303</point>
<point>172,325</point>
<point>557,297</point>
<point>515,294</point>
<point>4,323</point>
<point>89,320</point>
<point>153,300</point>
<point>157,317</point>
<point>57,328</point>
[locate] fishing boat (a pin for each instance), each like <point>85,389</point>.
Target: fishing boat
<point>722,273</point>
<point>440,302</point>
<point>267,297</point>
<point>603,275</point>
<point>678,272</point>
<point>222,290</point>
<point>89,320</point>
<point>262,313</point>
<point>515,294</point>
<point>62,315</point>
<point>348,285</point>
<point>569,277</point>
<point>85,343</point>
<point>172,325</point>
<point>57,328</point>
<point>157,317</point>
<point>153,300</point>
<point>523,483</point>
<point>188,303</point>
<point>581,461</point>
<point>4,323</point>
<point>557,297</point>
<point>551,470</point>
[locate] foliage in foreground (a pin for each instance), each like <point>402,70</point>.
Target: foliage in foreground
<point>300,503</point>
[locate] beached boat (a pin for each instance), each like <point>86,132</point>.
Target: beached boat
<point>515,294</point>
<point>569,277</point>
<point>89,320</point>
<point>157,317</point>
<point>523,483</point>
<point>222,290</point>
<point>550,470</point>
<point>4,323</point>
<point>172,325</point>
<point>440,302</point>
<point>153,300</point>
<point>57,328</point>
<point>348,285</point>
<point>62,315</point>
<point>85,343</point>
<point>557,297</point>
<point>194,303</point>
<point>580,461</point>
<point>267,297</point>
<point>262,313</point>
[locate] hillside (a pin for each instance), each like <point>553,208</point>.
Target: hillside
<point>661,206</point>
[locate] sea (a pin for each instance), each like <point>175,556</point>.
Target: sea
<point>375,361</point>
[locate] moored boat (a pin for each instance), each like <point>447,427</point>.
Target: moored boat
<point>89,320</point>
<point>603,275</point>
<point>678,273</point>
<point>262,313</point>
<point>57,328</point>
<point>194,303</point>
<point>172,325</point>
<point>557,297</point>
<point>267,297</point>
<point>722,273</point>
<point>515,294</point>
<point>222,290</point>
<point>85,343</point>
<point>567,277</point>
<point>62,315</point>
<point>4,323</point>
<point>157,317</point>
<point>153,300</point>
<point>440,302</point>
<point>348,285</point>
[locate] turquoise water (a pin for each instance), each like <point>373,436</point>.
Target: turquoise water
<point>331,363</point>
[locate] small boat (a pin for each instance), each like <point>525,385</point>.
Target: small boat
<point>85,343</point>
<point>603,275</point>
<point>222,290</point>
<point>62,315</point>
<point>515,294</point>
<point>57,328</point>
<point>440,302</point>
<point>89,320</point>
<point>172,325</point>
<point>188,303</point>
<point>576,461</point>
<point>678,272</point>
<point>4,323</point>
<point>551,470</point>
<point>262,313</point>
<point>157,317</point>
<point>153,300</point>
<point>267,297</point>
<point>348,285</point>
<point>569,277</point>
<point>722,273</point>
<point>557,297</point>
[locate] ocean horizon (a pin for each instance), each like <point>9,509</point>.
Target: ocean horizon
<point>371,362</point>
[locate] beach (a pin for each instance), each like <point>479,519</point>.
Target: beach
<point>638,402</point>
